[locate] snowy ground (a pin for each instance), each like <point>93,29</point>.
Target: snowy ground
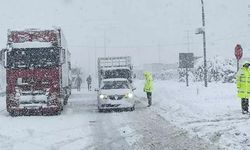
<point>212,113</point>
<point>180,118</point>
<point>80,127</point>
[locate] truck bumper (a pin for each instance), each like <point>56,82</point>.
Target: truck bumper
<point>34,110</point>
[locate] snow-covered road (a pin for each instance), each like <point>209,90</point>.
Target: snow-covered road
<point>81,127</point>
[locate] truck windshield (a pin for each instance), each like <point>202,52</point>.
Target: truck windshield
<point>115,85</point>
<point>117,73</point>
<point>33,57</point>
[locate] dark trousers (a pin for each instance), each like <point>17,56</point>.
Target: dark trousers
<point>89,86</point>
<point>244,104</point>
<point>78,87</point>
<point>149,96</point>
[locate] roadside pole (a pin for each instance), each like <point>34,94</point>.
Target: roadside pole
<point>186,76</point>
<point>238,65</point>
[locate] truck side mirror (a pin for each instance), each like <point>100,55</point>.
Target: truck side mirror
<point>3,57</point>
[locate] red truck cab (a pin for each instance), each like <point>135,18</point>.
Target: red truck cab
<point>38,74</point>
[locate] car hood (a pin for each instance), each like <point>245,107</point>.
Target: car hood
<point>116,91</point>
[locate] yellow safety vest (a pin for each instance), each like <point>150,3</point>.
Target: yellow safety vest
<point>243,83</point>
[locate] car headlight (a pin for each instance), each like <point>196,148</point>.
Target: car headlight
<point>103,96</point>
<point>129,95</point>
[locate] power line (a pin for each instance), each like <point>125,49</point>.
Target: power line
<point>164,45</point>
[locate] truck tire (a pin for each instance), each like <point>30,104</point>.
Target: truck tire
<point>100,110</point>
<point>58,112</point>
<point>65,101</point>
<point>13,113</point>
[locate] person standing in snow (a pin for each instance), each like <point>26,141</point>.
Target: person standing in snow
<point>148,87</point>
<point>89,80</point>
<point>78,82</point>
<point>243,86</point>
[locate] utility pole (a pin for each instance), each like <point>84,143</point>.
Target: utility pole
<point>204,44</point>
<point>88,61</point>
<point>188,41</point>
<point>104,42</point>
<point>95,58</point>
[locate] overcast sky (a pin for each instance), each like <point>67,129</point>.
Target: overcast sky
<point>150,31</point>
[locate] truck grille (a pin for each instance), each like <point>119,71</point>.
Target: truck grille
<point>116,97</point>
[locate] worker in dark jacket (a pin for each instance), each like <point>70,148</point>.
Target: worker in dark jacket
<point>89,80</point>
<point>78,82</point>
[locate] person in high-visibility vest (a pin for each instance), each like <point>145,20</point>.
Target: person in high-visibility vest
<point>148,87</point>
<point>243,86</point>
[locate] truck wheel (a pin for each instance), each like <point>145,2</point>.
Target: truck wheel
<point>65,101</point>
<point>100,110</point>
<point>61,109</point>
<point>59,113</point>
<point>13,113</point>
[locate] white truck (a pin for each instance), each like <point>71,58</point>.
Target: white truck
<point>115,83</point>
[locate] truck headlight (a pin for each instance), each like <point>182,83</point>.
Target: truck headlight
<point>102,96</point>
<point>52,96</point>
<point>17,92</point>
<point>129,95</point>
<point>52,99</point>
<point>47,92</point>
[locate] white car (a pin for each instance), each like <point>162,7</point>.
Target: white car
<point>116,93</point>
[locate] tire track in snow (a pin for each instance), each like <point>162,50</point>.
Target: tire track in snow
<point>218,120</point>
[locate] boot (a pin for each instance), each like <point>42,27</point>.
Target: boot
<point>149,101</point>
<point>244,106</point>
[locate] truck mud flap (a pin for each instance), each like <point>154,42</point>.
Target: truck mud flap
<point>34,112</point>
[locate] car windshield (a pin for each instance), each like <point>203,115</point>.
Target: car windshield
<point>33,57</point>
<point>115,85</point>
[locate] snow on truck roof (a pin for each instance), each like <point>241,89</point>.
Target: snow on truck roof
<point>34,29</point>
<point>31,45</point>
<point>115,79</point>
<point>114,68</point>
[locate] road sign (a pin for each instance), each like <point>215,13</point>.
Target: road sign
<point>238,52</point>
<point>186,60</point>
